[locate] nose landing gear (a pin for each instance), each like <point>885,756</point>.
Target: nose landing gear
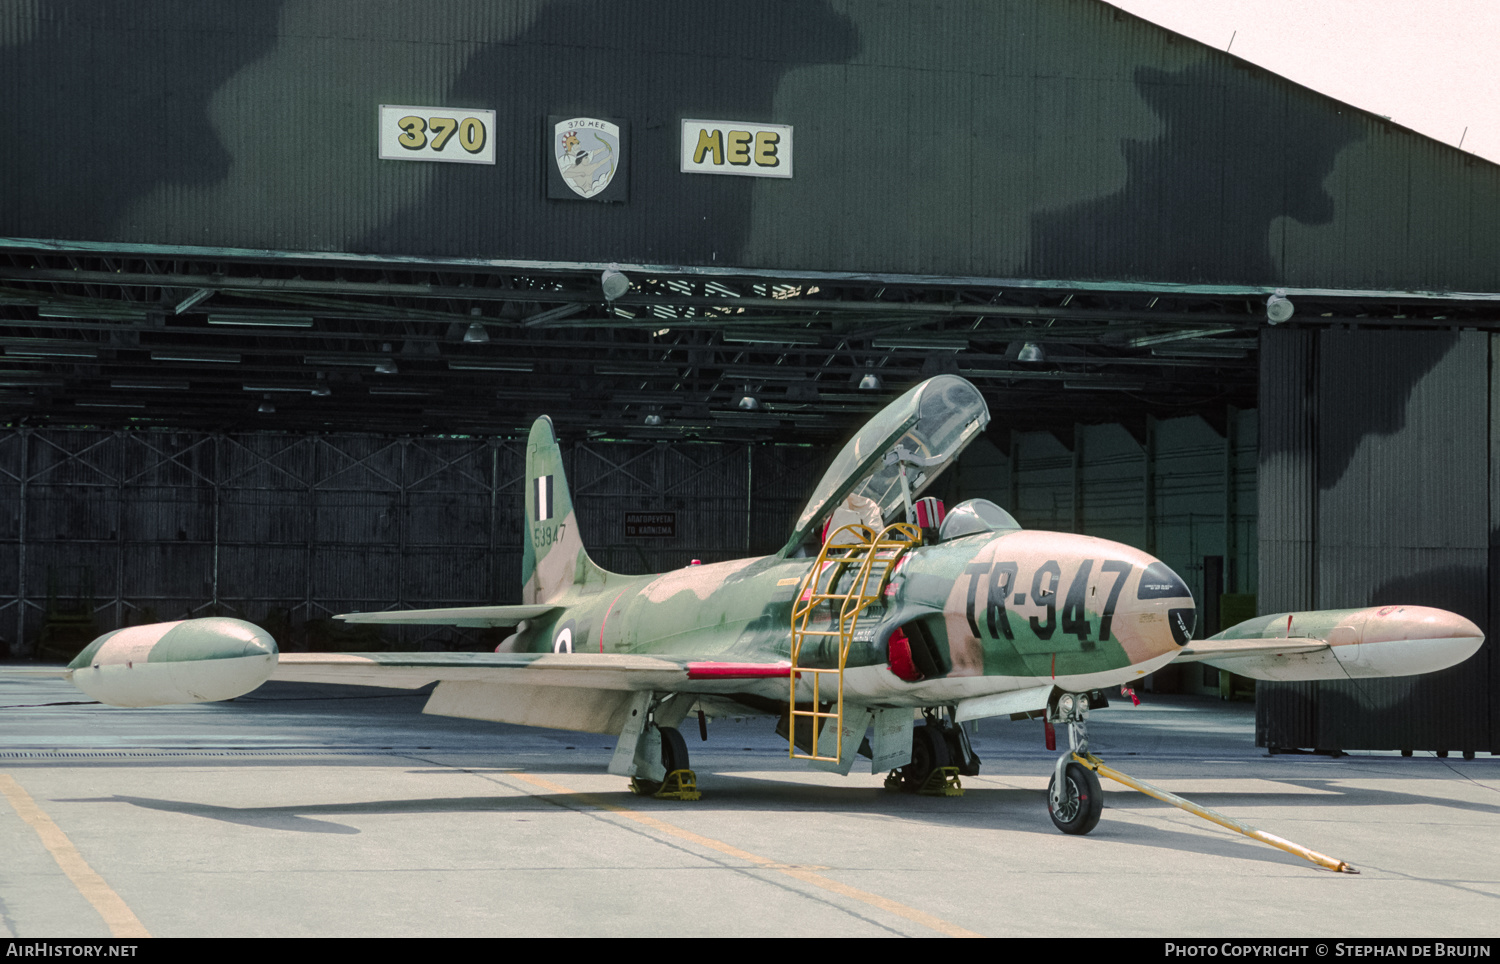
<point>1074,801</point>
<point>1074,798</point>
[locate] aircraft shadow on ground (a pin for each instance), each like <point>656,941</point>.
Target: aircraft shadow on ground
<point>982,808</point>
<point>1016,812</point>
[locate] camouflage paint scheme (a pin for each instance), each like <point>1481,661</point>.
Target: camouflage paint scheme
<point>1002,608</point>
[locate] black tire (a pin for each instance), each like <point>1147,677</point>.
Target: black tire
<point>674,756</point>
<point>929,752</point>
<point>1082,803</point>
<point>960,753</point>
<point>674,751</point>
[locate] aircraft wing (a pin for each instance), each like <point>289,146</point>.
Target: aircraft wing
<point>482,617</point>
<point>596,671</point>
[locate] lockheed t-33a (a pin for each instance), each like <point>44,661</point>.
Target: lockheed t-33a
<point>857,626</point>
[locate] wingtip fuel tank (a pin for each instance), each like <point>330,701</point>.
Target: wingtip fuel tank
<point>1375,641</point>
<point>189,661</point>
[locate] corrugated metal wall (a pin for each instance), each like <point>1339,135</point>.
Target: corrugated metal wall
<point>1375,489</point>
<point>135,527</point>
<point>1045,139</point>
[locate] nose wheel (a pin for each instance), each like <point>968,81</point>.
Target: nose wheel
<point>1077,807</point>
<point>1074,798</point>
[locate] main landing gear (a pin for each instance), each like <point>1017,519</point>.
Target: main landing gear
<point>679,783</point>
<point>940,753</point>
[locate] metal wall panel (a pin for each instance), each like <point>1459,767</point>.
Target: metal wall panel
<point>288,530</point>
<point>1400,446</point>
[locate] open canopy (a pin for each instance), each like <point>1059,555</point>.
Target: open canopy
<point>931,424</point>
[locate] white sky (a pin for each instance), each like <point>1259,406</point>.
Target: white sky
<point>1431,65</point>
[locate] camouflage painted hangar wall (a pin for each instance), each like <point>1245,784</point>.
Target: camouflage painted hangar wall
<point>1044,139</point>
<point>1378,487</point>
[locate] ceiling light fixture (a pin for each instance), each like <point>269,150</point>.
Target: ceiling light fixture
<point>870,383</point>
<point>211,357</point>
<point>1031,353</point>
<point>476,335</point>
<point>613,282</point>
<point>265,320</point>
<point>475,365</point>
<point>1278,307</point>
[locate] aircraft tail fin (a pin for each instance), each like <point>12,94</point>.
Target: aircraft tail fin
<point>553,559</point>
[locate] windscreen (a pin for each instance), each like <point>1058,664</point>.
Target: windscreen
<point>930,424</point>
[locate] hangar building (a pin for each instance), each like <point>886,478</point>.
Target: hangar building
<point>282,284</point>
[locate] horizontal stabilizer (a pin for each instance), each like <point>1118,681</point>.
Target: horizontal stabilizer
<point>481,617</point>
<point>1198,650</point>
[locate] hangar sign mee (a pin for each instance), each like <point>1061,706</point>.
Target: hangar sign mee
<point>736,147</point>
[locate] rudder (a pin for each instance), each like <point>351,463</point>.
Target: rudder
<point>553,558</point>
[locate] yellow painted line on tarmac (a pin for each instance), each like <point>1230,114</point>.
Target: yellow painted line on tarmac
<point>803,874</point>
<point>122,922</point>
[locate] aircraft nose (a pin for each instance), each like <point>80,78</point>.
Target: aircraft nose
<point>1161,597</point>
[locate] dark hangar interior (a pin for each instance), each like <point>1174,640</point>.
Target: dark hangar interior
<point>253,366</point>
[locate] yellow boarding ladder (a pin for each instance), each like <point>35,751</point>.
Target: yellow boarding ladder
<point>872,559</point>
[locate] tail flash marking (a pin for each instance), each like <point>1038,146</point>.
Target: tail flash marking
<point>543,500</point>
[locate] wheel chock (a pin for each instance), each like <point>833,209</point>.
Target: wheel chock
<point>942,782</point>
<point>679,785</point>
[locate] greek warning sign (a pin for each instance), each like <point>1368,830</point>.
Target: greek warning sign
<point>651,525</point>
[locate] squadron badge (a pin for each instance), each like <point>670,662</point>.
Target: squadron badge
<point>586,159</point>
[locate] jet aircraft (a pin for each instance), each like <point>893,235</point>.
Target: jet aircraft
<point>856,626</point>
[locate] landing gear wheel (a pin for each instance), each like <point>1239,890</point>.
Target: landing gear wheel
<point>1082,801</point>
<point>960,753</point>
<point>929,752</point>
<point>674,756</point>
